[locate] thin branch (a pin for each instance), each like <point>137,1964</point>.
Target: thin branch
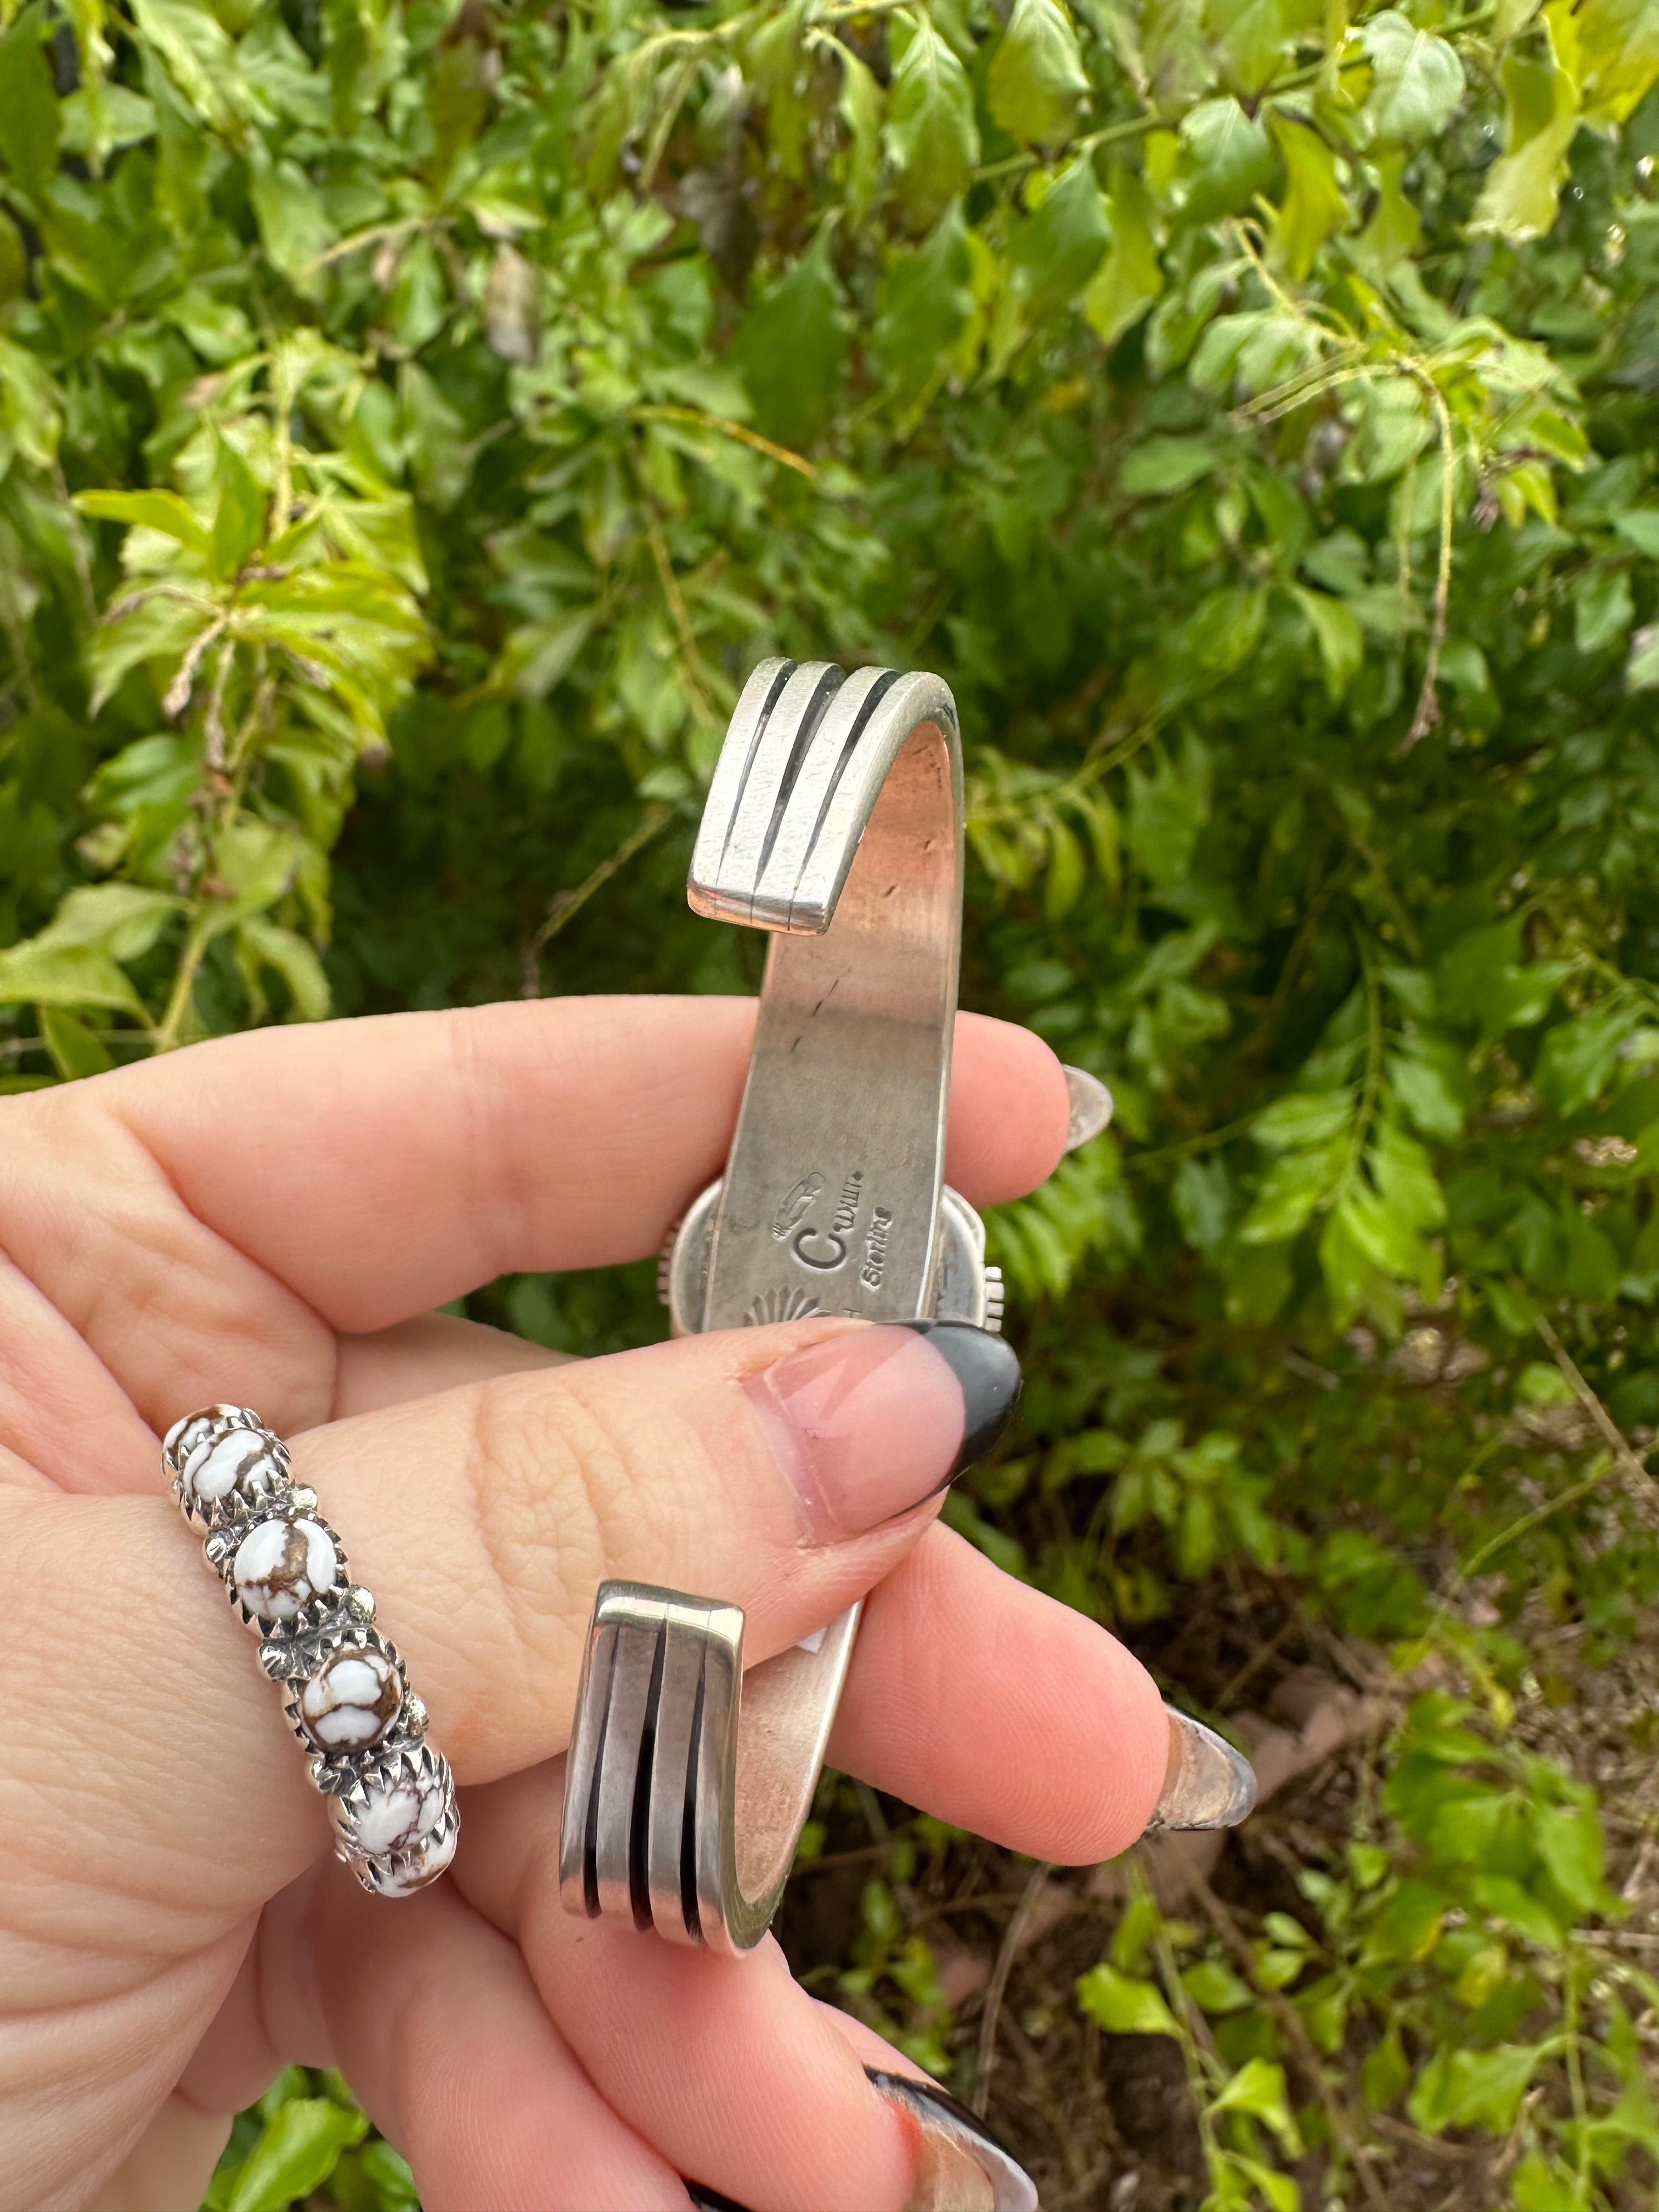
<point>565,905</point>
<point>1014,1939</point>
<point>705,422</point>
<point>1428,698</point>
<point>695,678</point>
<point>366,238</point>
<point>1643,1488</point>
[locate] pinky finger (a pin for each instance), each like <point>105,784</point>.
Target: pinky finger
<point>432,2017</point>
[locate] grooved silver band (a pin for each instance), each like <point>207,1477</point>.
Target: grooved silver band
<point>347,1697</point>
<point>834,820</point>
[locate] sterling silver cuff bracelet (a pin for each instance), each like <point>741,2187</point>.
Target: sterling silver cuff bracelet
<point>346,1694</point>
<point>835,821</point>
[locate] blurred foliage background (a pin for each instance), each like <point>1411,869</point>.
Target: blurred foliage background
<point>415,420</point>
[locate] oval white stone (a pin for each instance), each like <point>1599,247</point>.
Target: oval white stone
<point>212,1474</point>
<point>351,1700</point>
<point>281,1565</point>
<point>431,1863</point>
<point>395,1815</point>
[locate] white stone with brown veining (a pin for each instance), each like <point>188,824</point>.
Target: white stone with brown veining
<point>351,1700</point>
<point>281,1565</point>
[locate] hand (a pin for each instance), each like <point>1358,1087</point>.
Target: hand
<point>269,1219</point>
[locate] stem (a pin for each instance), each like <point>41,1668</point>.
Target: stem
<point>565,905</point>
<point>705,422</point>
<point>694,679</point>
<point>1428,699</point>
<point>167,1036</point>
<point>1013,1937</point>
<point>1373,1084</point>
<point>1643,1488</point>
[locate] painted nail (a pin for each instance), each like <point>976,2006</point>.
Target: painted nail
<point>1207,1784</point>
<point>988,1368</point>
<point>871,1424</point>
<point>1091,1103</point>
<point>961,2168</point>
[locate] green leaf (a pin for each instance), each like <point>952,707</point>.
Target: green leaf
<point>1302,1117</point>
<point>927,300</point>
<point>28,106</point>
<point>1642,669</point>
<point>1054,254</point>
<point>1036,77</point>
<point>1292,1187</point>
<point>199,59</point>
<point>1523,188</point>
<point>1417,80</point>
<point>860,110</point>
<point>295,2154</point>
<point>64,976</point>
<point>1122,2005</point>
<point>1132,276</point>
<point>264,944</point>
<point>1569,1838</point>
<point>1611,50</point>
<point>790,347</point>
<point>1314,204</point>
<point>1578,1056</point>
<point>1214,1987</point>
<point>294,224</point>
<point>1473,2088</point>
<point>74,1048</point>
<point>1202,1195</point>
<point>1227,160</point>
<point>238,524</point>
<point>1535,2188</point>
<point>932,141</point>
<point>1640,528</point>
<point>1258,2088</point>
<point>539,656</point>
<point>1167,464</point>
<point>1338,635</point>
<point>150,510</point>
<point>124,920</point>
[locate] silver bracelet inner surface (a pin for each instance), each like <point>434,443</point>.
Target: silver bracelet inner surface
<point>835,821</point>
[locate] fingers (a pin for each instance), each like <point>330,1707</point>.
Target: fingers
<point>419,1357</point>
<point>765,1466</point>
<point>434,2020</point>
<point>772,1468</point>
<point>1001,1711</point>
<point>736,2075</point>
<point>228,1196</point>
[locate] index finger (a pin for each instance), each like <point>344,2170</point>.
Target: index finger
<point>380,1167</point>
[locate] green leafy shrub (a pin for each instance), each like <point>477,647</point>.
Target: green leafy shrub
<point>414,422</point>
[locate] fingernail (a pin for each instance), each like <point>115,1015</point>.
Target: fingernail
<point>1091,1103</point>
<point>961,2167</point>
<point>870,1423</point>
<point>1207,1784</point>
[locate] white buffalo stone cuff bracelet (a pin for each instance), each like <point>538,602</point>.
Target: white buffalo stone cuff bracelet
<point>347,1696</point>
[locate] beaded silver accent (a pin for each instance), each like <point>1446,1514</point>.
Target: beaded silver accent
<point>346,1692</point>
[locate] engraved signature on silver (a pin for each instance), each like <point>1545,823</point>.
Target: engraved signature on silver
<point>794,1206</point>
<point>832,1245</point>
